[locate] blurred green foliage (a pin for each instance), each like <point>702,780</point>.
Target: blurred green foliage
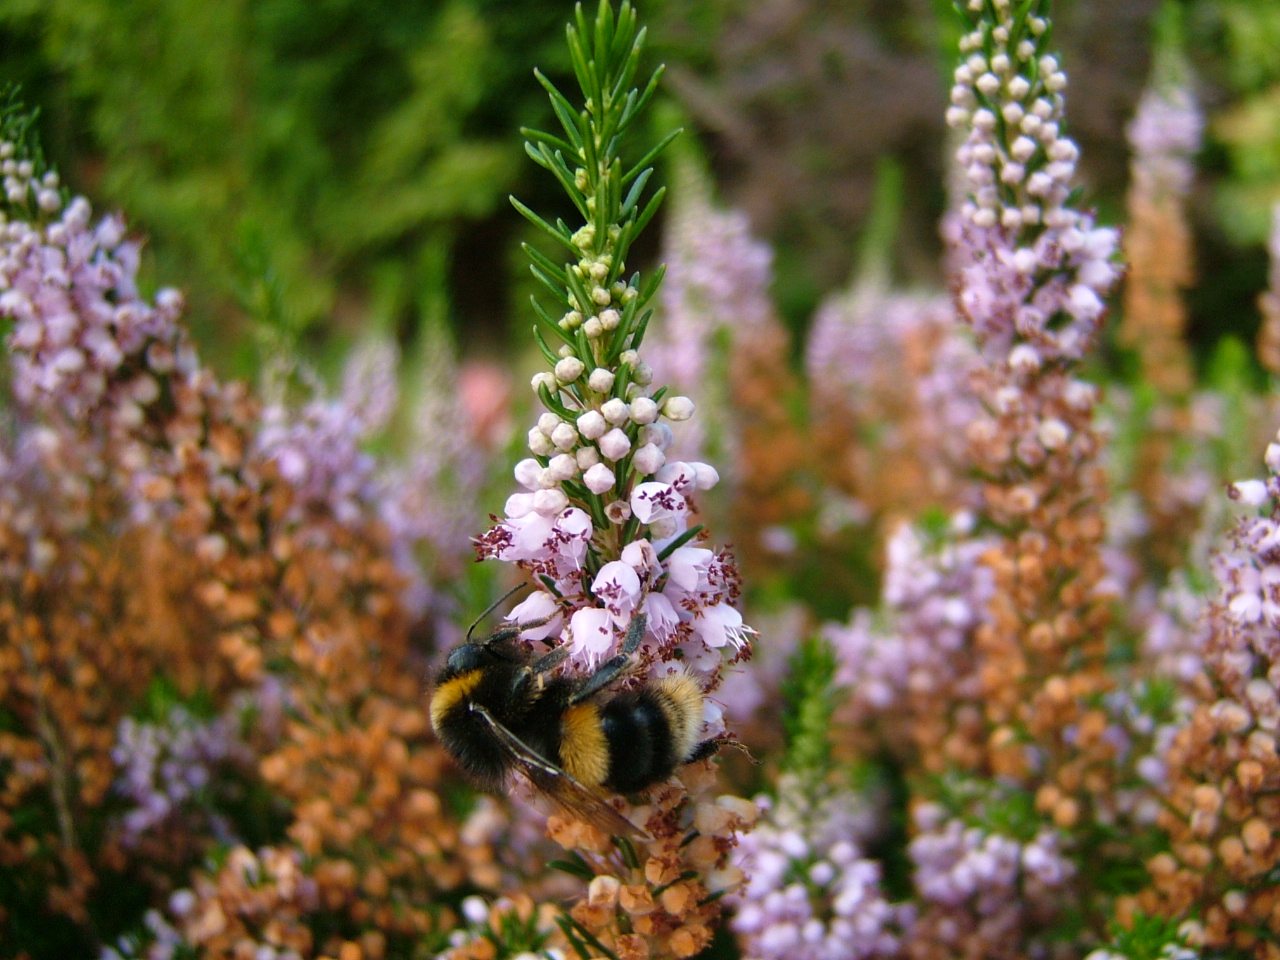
<point>333,150</point>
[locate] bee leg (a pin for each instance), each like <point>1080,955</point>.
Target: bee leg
<point>616,665</point>
<point>550,661</point>
<point>709,748</point>
<point>512,630</point>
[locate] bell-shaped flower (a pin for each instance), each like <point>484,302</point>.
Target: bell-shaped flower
<point>618,586</point>
<point>656,501</point>
<point>538,605</point>
<point>591,634</point>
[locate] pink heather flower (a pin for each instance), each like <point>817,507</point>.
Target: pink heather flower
<point>591,634</point>
<point>537,606</point>
<point>1032,269</point>
<point>810,893</point>
<point>618,586</point>
<point>933,599</point>
<point>654,501</point>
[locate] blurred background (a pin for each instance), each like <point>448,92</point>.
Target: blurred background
<point>313,172</point>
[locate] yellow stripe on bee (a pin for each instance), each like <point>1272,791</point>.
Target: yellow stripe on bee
<point>450,693</point>
<point>584,754</point>
<point>684,700</point>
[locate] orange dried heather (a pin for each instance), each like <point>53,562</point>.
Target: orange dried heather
<point>1222,809</point>
<point>661,897</point>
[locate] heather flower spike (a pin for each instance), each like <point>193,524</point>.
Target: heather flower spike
<point>604,519</point>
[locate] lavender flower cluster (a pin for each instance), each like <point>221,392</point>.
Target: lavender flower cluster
<point>1035,268</point>
<point>935,595</point>
<point>165,767</point>
<point>811,893</point>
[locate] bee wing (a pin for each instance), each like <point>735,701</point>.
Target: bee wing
<point>559,786</point>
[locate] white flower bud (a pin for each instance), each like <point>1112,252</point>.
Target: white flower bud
<point>569,369</point>
<point>615,444</point>
<point>563,467</point>
<point>601,380</point>
<point>1023,149</point>
<point>648,459</point>
<point>659,434</point>
<point>1252,493</point>
<point>550,502</point>
<point>984,218</point>
<point>1053,433</point>
<point>540,443</point>
<point>548,422</point>
<point>526,472</point>
<point>599,478</point>
<point>643,374</point>
<point>601,296</point>
<point>609,319</point>
<point>988,83</point>
<point>643,410</point>
<point>591,425</point>
<point>706,475</point>
<point>629,357</point>
<point>587,457</point>
<point>544,379</point>
<point>1019,87</point>
<point>616,411</point>
<point>565,437</point>
<point>593,328</point>
<point>1024,358</point>
<point>677,408</point>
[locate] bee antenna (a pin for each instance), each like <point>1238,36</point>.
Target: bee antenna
<point>494,606</point>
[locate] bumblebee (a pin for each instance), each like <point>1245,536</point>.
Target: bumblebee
<point>497,709</point>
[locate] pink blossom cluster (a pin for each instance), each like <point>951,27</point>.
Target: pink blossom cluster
<point>83,339</point>
<point>869,342</point>
<point>1244,646</point>
<point>1165,134</point>
<point>687,592</point>
<point>1034,269</point>
<point>164,768</point>
<point>995,881</point>
<point>935,595</point>
<point>811,893</point>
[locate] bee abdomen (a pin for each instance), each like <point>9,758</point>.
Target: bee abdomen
<point>642,745</point>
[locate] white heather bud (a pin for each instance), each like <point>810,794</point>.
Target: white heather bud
<point>601,296</point>
<point>616,411</point>
<point>648,459</point>
<point>1053,433</point>
<point>659,434</point>
<point>957,116</point>
<point>564,351</point>
<point>550,502</point>
<point>601,380</point>
<point>1024,358</point>
<point>705,474</point>
<point>629,357</point>
<point>587,457</point>
<point>599,478</point>
<point>619,511</point>
<point>643,374</point>
<point>593,328</point>
<point>548,422</point>
<point>544,379</point>
<point>988,83</point>
<point>1000,62</point>
<point>573,318</point>
<point>1023,149</point>
<point>1019,87</point>
<point>526,473</point>
<point>591,425</point>
<point>1252,493</point>
<point>615,445</point>
<point>1025,49</point>
<point>984,218</point>
<point>1012,112</point>
<point>48,200</point>
<point>565,437</point>
<point>540,443</point>
<point>563,466</point>
<point>547,479</point>
<point>609,319</point>
<point>1056,82</point>
<point>1011,218</point>
<point>984,119</point>
<point>1272,457</point>
<point>643,410</point>
<point>677,408</point>
<point>569,369</point>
